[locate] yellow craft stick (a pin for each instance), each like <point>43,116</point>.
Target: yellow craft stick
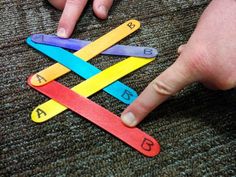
<point>88,52</point>
<point>51,108</point>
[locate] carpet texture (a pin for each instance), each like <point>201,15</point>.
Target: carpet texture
<point>196,128</point>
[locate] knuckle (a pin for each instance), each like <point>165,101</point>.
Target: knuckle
<point>231,80</point>
<point>221,83</point>
<point>204,63</point>
<point>199,60</point>
<point>226,84</point>
<point>162,88</point>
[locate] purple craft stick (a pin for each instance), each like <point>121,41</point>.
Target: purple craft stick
<point>76,44</point>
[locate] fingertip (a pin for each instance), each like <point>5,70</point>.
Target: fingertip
<point>61,32</point>
<point>66,27</point>
<point>129,119</point>
<point>101,8</point>
<point>101,12</point>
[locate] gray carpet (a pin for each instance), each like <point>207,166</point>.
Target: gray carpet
<point>196,128</point>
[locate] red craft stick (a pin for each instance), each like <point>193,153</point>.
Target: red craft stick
<point>100,116</point>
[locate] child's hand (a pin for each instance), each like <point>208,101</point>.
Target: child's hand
<point>209,57</point>
<point>72,9</point>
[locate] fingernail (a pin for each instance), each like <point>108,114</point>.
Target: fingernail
<point>103,10</point>
<point>61,32</point>
<point>129,119</point>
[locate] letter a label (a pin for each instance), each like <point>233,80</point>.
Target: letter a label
<point>40,112</point>
<point>40,78</point>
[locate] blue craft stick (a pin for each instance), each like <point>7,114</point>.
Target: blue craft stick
<point>76,44</point>
<point>117,89</point>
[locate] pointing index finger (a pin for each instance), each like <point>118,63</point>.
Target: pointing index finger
<point>160,89</point>
<point>71,13</point>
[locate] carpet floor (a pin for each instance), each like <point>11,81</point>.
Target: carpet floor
<point>196,128</point>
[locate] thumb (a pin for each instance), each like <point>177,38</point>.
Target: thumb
<point>173,79</point>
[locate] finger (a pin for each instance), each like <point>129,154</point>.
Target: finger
<point>59,4</point>
<point>210,86</point>
<point>219,84</point>
<point>70,15</point>
<point>167,84</point>
<point>102,7</point>
<point>181,48</point>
